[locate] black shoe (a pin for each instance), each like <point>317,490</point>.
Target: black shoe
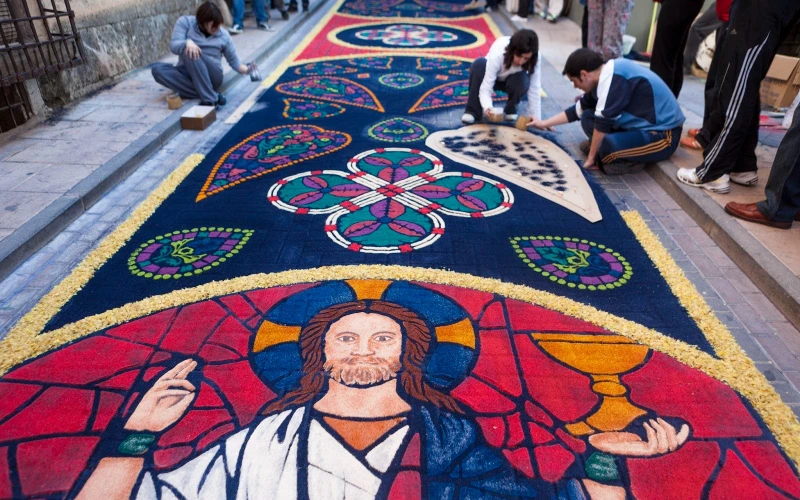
<point>285,15</point>
<point>292,8</point>
<point>221,101</point>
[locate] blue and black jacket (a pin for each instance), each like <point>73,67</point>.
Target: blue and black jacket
<point>629,97</point>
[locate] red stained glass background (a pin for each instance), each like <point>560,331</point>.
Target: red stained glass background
<point>54,409</point>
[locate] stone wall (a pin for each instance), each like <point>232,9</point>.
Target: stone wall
<point>117,37</point>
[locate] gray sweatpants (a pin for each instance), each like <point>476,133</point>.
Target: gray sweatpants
<point>191,79</point>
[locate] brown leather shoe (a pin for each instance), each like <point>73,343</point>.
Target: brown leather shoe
<point>750,212</point>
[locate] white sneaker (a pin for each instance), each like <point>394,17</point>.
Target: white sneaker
<point>689,176</point>
<point>745,178</point>
<point>512,118</point>
<point>518,19</point>
<point>467,119</point>
<point>235,29</point>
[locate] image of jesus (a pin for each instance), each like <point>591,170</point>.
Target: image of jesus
<point>362,417</point>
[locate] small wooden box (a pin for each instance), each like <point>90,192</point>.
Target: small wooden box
<point>198,117</point>
<point>174,101</point>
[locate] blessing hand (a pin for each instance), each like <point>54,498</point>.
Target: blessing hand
<point>165,403</point>
<point>662,438</point>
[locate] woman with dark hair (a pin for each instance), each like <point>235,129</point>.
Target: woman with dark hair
<point>512,66</point>
<point>200,42</point>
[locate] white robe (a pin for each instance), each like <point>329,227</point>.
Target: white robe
<point>266,467</point>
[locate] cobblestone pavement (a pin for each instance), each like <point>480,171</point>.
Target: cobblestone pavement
<point>770,341</point>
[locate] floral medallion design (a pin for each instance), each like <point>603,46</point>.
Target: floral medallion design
<point>303,109</point>
<point>391,199</point>
<point>332,89</point>
<point>401,81</point>
<point>185,253</point>
<point>324,69</point>
<point>438,64</point>
<point>398,130</point>
<point>372,62</point>
<point>426,35</point>
<point>450,94</point>
<point>574,262</point>
<point>268,151</point>
<point>406,35</point>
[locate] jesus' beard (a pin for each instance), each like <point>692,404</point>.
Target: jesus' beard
<point>362,371</point>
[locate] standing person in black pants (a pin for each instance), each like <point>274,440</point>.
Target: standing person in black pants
<point>293,6</point>
<point>699,138</point>
<point>585,25</point>
<point>783,187</point>
<point>756,29</point>
<point>672,32</point>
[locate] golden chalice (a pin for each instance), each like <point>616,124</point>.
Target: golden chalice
<point>604,358</point>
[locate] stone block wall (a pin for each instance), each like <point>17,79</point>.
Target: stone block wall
<point>117,37</point>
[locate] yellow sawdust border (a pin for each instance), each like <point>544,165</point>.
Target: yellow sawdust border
<point>24,340</point>
<point>734,368</point>
<point>738,372</point>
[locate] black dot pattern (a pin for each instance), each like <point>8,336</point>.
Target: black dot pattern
<point>528,160</point>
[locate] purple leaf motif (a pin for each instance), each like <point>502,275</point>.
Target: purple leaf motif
<point>407,228</point>
<point>348,190</point>
<point>387,208</point>
<point>472,202</point>
<point>315,182</point>
<point>412,161</point>
<point>306,198</point>
<point>470,186</point>
<point>392,174</point>
<point>431,191</point>
<point>378,161</point>
<point>362,228</point>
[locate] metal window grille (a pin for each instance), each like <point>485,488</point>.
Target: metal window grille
<point>37,37</point>
<point>15,109</point>
<point>9,32</point>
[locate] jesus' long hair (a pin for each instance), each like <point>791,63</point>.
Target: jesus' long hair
<point>522,42</point>
<point>416,342</point>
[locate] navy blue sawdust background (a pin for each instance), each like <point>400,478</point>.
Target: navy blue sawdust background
<point>284,241</point>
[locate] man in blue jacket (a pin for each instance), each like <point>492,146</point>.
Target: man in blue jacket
<point>627,111</point>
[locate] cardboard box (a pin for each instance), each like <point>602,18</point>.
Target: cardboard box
<point>198,117</point>
<point>782,83</point>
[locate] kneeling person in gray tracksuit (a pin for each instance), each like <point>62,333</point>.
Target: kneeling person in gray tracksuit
<point>200,42</point>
